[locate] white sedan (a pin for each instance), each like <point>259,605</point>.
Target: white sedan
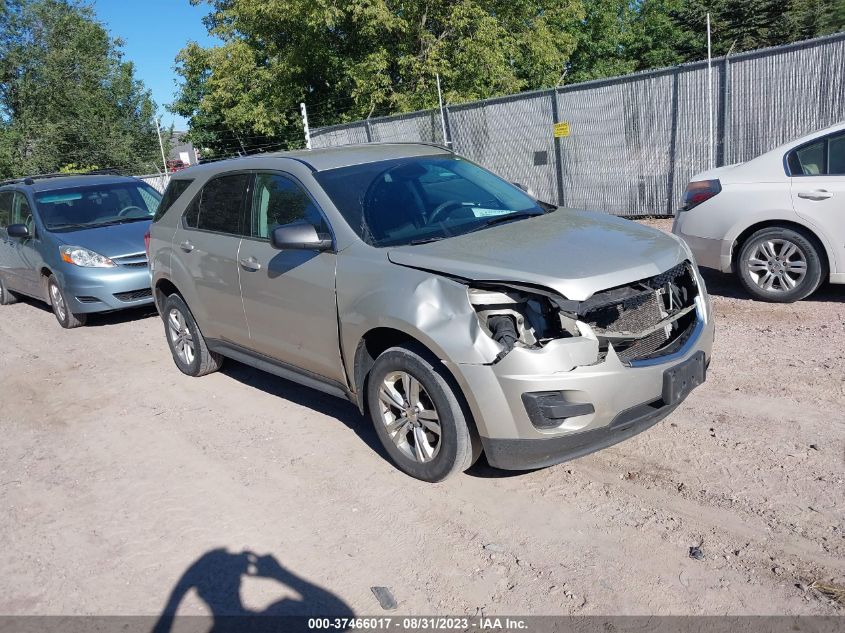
<point>777,221</point>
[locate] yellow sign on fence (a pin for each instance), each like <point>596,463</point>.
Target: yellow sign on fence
<point>561,129</point>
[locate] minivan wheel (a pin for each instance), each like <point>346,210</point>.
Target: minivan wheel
<point>417,415</point>
<point>187,345</point>
<point>64,316</point>
<point>6,297</point>
<point>780,265</point>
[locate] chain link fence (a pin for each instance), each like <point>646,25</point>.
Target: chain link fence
<point>634,141</point>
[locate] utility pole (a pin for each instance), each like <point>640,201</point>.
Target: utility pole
<point>709,94</point>
<point>442,116</point>
<point>161,145</point>
<point>305,125</point>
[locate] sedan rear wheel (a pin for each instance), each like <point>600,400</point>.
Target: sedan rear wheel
<point>6,297</point>
<point>780,265</point>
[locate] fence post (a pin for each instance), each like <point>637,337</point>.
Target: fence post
<point>447,141</point>
<point>368,129</point>
<point>673,143</point>
<point>558,150</point>
<point>726,112</point>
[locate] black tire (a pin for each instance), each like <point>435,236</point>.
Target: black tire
<point>776,240</point>
<point>457,445</point>
<point>203,361</point>
<point>6,297</point>
<point>58,301</point>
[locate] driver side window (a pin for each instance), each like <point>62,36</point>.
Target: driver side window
<point>279,200</point>
<point>21,213</point>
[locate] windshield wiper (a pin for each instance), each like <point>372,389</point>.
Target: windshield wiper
<point>59,227</point>
<point>120,221</point>
<point>425,240</point>
<point>510,217</point>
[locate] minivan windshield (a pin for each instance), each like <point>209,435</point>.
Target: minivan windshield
<point>422,199</point>
<point>96,205</point>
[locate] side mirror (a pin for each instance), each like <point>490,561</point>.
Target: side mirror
<point>300,236</point>
<point>19,231</point>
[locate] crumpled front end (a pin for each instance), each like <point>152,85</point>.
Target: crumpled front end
<point>574,376</point>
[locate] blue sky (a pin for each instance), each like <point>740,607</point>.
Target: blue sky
<point>153,32</point>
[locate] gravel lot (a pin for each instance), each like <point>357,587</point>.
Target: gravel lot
<point>118,475</point>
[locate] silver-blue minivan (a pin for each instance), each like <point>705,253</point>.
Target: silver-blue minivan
<point>76,242</point>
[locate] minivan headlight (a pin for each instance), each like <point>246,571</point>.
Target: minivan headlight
<point>79,256</point>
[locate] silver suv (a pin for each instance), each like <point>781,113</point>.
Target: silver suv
<point>458,312</point>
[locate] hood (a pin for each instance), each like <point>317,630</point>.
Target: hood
<point>575,253</point>
<point>112,241</point>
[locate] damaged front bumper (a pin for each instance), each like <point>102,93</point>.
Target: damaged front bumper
<point>608,401</point>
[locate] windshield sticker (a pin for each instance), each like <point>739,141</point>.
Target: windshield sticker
<point>60,197</point>
<point>487,213</point>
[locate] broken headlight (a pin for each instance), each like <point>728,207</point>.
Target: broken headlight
<point>515,317</point>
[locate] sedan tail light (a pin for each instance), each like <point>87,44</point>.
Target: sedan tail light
<point>698,191</point>
<point>147,243</point>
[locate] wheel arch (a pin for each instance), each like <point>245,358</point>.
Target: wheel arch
<point>377,340</point>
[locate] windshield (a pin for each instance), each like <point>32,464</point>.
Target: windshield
<point>420,199</point>
<point>96,205</point>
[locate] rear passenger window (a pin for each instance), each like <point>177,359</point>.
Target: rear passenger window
<point>219,206</point>
<point>171,194</point>
<point>836,156</point>
<point>279,200</point>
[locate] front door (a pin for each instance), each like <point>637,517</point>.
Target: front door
<point>205,257</point>
<point>818,189</point>
<point>289,295</point>
<point>26,260</point>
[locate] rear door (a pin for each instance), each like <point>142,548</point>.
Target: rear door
<point>289,295</point>
<point>817,172</point>
<point>205,257</point>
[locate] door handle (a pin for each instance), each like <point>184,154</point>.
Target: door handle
<point>815,194</point>
<point>250,263</point>
<point>186,246</point>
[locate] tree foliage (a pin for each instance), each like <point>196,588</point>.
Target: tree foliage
<point>67,97</point>
<point>357,58</point>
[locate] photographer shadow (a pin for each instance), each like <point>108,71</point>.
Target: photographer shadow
<point>216,577</point>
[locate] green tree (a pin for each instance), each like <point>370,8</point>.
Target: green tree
<point>67,96</point>
<point>604,39</point>
<point>354,59</point>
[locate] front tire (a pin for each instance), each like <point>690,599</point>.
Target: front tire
<point>186,342</point>
<point>67,319</point>
<point>780,265</point>
<point>417,415</point>
<point>6,297</point>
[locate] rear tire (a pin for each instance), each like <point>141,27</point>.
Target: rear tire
<point>418,416</point>
<point>187,344</point>
<point>6,297</point>
<point>779,265</point>
<point>67,319</point>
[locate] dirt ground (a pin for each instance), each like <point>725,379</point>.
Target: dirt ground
<point>119,476</point>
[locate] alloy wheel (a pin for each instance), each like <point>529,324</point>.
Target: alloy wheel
<point>180,336</point>
<point>777,265</point>
<point>58,301</point>
<point>409,416</point>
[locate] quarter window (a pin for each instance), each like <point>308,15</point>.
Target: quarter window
<point>810,159</point>
<point>279,200</point>
<point>219,206</point>
<point>171,194</point>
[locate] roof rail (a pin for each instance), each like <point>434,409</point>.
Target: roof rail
<point>28,180</point>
